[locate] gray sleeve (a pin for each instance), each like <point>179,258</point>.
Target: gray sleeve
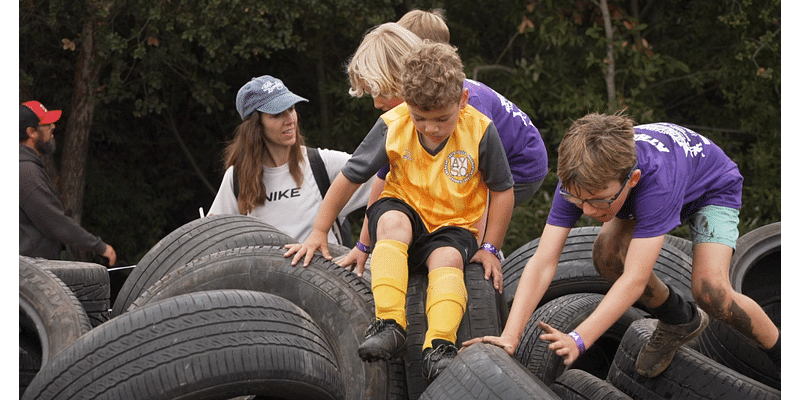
<point>370,155</point>
<point>46,212</point>
<point>494,162</point>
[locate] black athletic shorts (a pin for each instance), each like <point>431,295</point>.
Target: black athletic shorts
<point>423,243</point>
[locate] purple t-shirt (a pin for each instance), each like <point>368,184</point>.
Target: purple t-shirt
<point>682,171</point>
<point>525,150</point>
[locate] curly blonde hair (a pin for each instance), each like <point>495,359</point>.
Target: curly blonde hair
<point>376,66</point>
<point>596,150</point>
<point>433,76</point>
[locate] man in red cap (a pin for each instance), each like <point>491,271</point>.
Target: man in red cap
<point>43,224</point>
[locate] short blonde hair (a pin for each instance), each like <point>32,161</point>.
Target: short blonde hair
<point>427,24</point>
<point>376,66</point>
<point>433,76</point>
<point>597,149</point>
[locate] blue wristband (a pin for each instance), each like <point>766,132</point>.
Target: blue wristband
<point>364,248</point>
<point>491,249</point>
<point>579,341</point>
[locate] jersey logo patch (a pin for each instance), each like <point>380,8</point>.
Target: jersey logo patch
<point>459,166</point>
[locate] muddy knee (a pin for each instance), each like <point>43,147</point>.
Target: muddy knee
<point>608,257</point>
<point>711,297</point>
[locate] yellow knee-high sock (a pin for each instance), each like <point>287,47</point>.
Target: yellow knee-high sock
<point>447,300</point>
<point>390,280</point>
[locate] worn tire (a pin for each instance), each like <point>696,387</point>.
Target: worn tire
<point>88,281</point>
<point>50,319</point>
<point>486,372</point>
<point>755,272</point>
<point>50,316</point>
<point>576,384</point>
<point>565,313</point>
<point>210,345</point>
<point>682,244</point>
<point>690,375</point>
<point>191,241</point>
<point>482,317</point>
<point>576,272</point>
<point>335,298</point>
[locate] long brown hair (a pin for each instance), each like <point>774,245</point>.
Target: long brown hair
<point>247,153</point>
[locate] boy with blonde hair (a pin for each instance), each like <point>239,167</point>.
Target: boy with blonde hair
<point>641,182</point>
<point>427,24</point>
<point>374,69</point>
<point>444,155</point>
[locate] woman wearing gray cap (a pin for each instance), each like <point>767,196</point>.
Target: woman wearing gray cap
<point>268,154</point>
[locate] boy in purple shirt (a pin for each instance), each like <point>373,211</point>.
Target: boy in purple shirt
<point>641,182</point>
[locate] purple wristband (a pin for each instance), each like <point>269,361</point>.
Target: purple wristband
<point>579,341</point>
<point>364,248</point>
<point>491,249</point>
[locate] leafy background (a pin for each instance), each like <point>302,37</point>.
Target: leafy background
<point>166,72</point>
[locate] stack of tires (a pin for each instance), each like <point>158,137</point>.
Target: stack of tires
<point>214,311</point>
<point>719,364</point>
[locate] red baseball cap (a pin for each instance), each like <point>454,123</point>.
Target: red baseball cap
<point>45,116</point>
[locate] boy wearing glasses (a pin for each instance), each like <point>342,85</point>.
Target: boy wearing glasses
<point>641,182</point>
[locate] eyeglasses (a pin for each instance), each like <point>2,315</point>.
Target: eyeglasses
<point>596,203</point>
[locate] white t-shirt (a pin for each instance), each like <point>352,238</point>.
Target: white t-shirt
<point>288,208</point>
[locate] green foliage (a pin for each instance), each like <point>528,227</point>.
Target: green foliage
<point>170,70</point>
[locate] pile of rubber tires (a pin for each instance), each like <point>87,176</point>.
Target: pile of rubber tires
<point>719,364</point>
<point>214,311</point>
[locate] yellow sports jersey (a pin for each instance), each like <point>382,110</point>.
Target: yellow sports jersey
<point>445,189</point>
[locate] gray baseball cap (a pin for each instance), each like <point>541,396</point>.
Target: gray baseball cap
<point>266,94</point>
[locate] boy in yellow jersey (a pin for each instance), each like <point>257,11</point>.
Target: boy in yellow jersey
<point>444,154</point>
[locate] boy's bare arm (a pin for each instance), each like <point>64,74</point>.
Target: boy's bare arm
<point>535,279</point>
<point>356,256</point>
<point>498,217</point>
<point>639,263</point>
<point>338,195</point>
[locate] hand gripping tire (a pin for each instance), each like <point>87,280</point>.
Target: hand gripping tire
<point>565,313</point>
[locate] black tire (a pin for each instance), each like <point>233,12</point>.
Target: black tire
<point>486,372</point>
<point>28,367</point>
<point>335,298</point>
<point>88,281</point>
<point>565,314</point>
<point>576,384</point>
<point>684,245</point>
<point>50,319</point>
<point>576,272</point>
<point>50,316</point>
<point>482,317</point>
<point>755,272</point>
<point>191,241</point>
<point>690,375</point>
<point>210,345</point>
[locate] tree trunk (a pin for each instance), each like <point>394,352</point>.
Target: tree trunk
<point>610,71</point>
<point>79,124</point>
